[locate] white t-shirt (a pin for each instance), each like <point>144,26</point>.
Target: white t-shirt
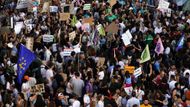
<point>76,103</point>
<point>140,94</point>
<point>86,100</point>
<point>157,30</point>
<point>100,103</point>
<point>172,84</point>
<point>47,55</point>
<point>49,75</point>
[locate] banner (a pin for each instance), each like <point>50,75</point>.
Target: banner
<point>48,38</point>
<point>39,88</point>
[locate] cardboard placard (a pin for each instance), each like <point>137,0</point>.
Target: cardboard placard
<point>88,20</point>
<point>45,7</point>
<point>72,35</point>
<point>112,28</point>
<point>39,88</point>
<point>64,16</point>
<point>113,2</point>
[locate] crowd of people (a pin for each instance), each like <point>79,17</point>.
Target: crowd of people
<point>79,79</point>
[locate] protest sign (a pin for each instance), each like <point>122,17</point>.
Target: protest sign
<point>45,7</point>
<point>88,20</point>
<point>36,89</point>
<point>163,4</point>
<point>78,24</point>
<point>72,35</point>
<point>48,38</point>
<point>30,43</point>
<point>64,16</point>
<point>113,2</point>
<point>168,12</point>
<point>112,28</point>
<point>137,72</point>
<point>87,7</point>
<point>23,4</point>
<point>53,9</point>
<point>18,26</point>
<point>126,37</point>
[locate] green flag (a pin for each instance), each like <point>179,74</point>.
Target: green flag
<point>145,56</point>
<point>74,21</point>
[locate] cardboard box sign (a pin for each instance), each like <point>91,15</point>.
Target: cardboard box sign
<point>64,16</point>
<point>112,28</point>
<point>88,20</point>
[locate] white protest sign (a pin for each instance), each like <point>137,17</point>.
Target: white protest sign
<point>78,24</point>
<point>23,4</point>
<point>18,26</point>
<point>137,72</point>
<point>168,12</point>
<point>126,37</point>
<point>163,4</point>
<point>48,38</point>
<point>67,51</point>
<point>53,9</point>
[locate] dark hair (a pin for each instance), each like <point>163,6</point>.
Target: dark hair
<point>133,94</point>
<point>39,102</point>
<point>77,74</point>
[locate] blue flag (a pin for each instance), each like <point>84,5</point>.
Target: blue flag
<point>180,42</point>
<point>26,57</point>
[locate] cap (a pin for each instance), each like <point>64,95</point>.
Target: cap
<point>26,77</point>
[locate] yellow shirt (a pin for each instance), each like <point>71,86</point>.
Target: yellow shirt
<point>142,105</point>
